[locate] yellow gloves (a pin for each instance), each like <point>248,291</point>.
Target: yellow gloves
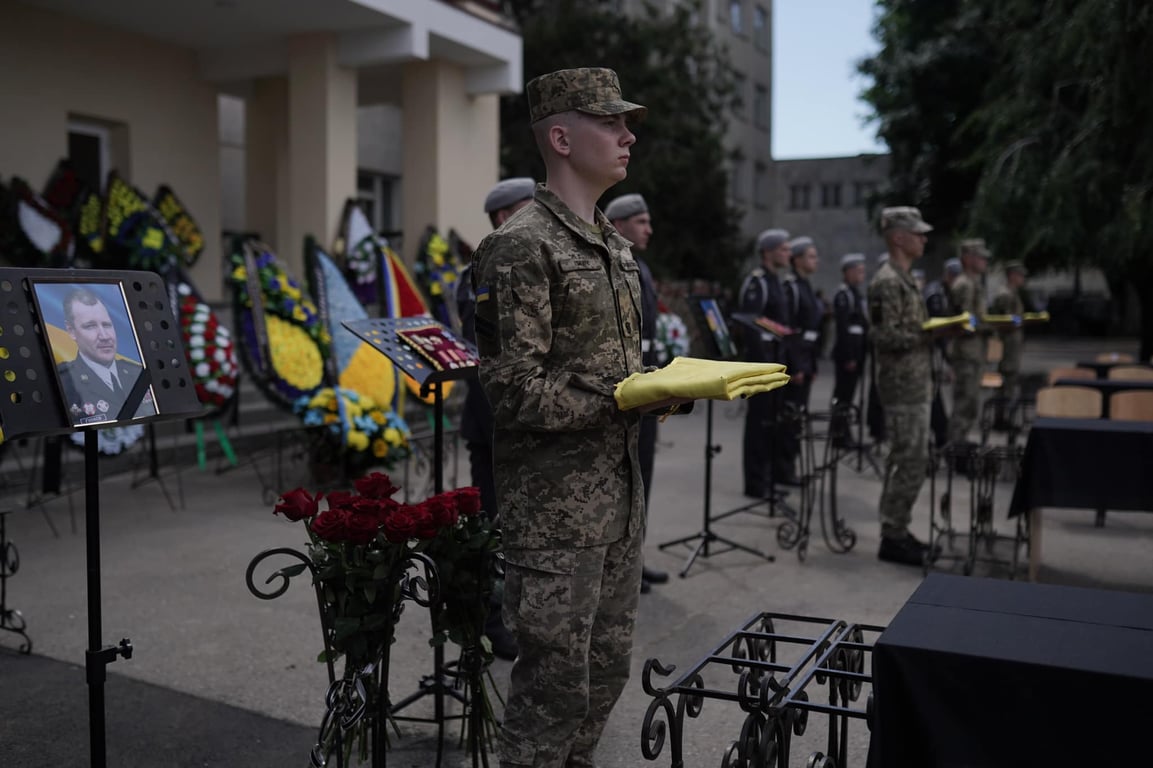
<point>693,378</point>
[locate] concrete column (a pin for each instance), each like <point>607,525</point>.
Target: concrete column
<point>267,161</point>
<point>451,153</point>
<point>322,145</point>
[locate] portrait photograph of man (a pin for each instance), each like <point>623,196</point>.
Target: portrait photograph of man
<point>97,355</point>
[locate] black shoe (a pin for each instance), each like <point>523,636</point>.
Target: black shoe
<point>788,478</point>
<point>646,587</point>
<point>905,551</point>
<point>503,643</point>
<point>654,577</point>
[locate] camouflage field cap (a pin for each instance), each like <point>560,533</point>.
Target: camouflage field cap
<point>1015,266</point>
<point>904,217</point>
<point>975,246</point>
<point>592,90</point>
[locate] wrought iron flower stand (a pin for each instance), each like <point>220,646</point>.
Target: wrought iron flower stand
<point>775,673</point>
<point>361,692</point>
<point>11,620</point>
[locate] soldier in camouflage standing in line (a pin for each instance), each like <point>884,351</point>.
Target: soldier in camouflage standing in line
<point>558,325</point>
<point>968,358</point>
<point>902,352</point>
<point>1008,302</point>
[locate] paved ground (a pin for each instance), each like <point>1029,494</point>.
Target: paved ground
<point>220,678</point>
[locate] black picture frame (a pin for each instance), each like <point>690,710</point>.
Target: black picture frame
<point>86,399</point>
<point>713,328</point>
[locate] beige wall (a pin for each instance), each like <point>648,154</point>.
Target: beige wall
<point>451,154</point>
<point>52,66</point>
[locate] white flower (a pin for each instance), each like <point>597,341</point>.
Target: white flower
<point>203,369</point>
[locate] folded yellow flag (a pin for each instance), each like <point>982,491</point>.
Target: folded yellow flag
<point>963,320</point>
<point>1002,319</point>
<point>698,379</point>
<point>1036,317</point>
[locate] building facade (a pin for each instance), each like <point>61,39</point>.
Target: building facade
<point>261,113</point>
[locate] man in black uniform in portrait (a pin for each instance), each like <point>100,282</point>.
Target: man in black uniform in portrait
<point>802,348</point>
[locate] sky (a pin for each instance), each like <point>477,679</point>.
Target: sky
<point>816,110</point>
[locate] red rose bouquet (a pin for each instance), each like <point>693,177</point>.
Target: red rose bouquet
<point>362,546</point>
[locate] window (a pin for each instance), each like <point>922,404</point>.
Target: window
<point>862,191</point>
<point>737,16</point>
<point>737,179</point>
<point>740,86</point>
<point>799,197</point>
<point>375,192</point>
<point>760,106</point>
<point>760,185</point>
<point>761,27</point>
<point>90,151</point>
<point>831,195</point>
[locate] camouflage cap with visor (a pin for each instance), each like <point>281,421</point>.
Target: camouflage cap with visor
<point>904,217</point>
<point>592,90</point>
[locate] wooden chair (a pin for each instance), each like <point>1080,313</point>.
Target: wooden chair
<point>1131,373</point>
<point>1131,406</point>
<point>1071,373</point>
<point>1115,357</point>
<point>1070,402</point>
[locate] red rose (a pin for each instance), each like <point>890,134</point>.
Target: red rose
<point>385,507</point>
<point>361,529</point>
<point>340,500</point>
<point>297,504</point>
<point>426,525</point>
<point>402,524</point>
<point>468,500</point>
<point>331,525</point>
<point>442,510</point>
<point>375,486</point>
<point>366,507</point>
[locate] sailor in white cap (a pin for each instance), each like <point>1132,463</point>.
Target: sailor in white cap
<point>630,215</point>
<point>503,200</point>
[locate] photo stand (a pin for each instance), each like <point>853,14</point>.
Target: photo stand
<point>714,332</point>
<point>32,405</point>
<point>442,357</point>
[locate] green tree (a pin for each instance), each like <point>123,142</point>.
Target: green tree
<point>1026,121</point>
<point>1067,167</point>
<point>927,79</point>
<point>669,63</point>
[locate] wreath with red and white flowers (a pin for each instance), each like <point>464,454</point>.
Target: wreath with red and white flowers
<point>208,344</point>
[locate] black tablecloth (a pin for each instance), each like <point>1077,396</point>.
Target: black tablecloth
<point>1086,464</point>
<point>984,672</point>
<point>1107,388</point>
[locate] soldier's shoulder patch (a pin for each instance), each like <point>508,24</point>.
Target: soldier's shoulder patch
<point>482,294</point>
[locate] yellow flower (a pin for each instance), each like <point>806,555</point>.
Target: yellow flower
<point>379,448</point>
<point>378,416</point>
<point>392,435</point>
<point>240,273</point>
<point>298,314</point>
<point>331,418</point>
<point>357,439</point>
<point>295,356</point>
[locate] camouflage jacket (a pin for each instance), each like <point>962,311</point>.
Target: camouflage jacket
<point>900,345</point>
<point>1008,302</point>
<point>965,294</point>
<point>558,320</point>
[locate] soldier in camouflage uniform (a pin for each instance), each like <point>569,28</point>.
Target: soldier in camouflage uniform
<point>968,358</point>
<point>1008,302</point>
<point>558,325</point>
<point>902,353</point>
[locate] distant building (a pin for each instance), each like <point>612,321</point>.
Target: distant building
<point>827,199</point>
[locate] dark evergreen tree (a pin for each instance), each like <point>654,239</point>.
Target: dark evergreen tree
<point>670,63</point>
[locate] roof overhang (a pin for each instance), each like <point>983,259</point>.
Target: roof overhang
<point>237,40</point>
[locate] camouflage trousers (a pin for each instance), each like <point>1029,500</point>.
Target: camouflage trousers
<point>572,612</point>
<point>906,467</point>
<point>966,398</point>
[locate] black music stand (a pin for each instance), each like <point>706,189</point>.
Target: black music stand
<point>32,403</point>
<point>443,357</point>
<point>715,334</point>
